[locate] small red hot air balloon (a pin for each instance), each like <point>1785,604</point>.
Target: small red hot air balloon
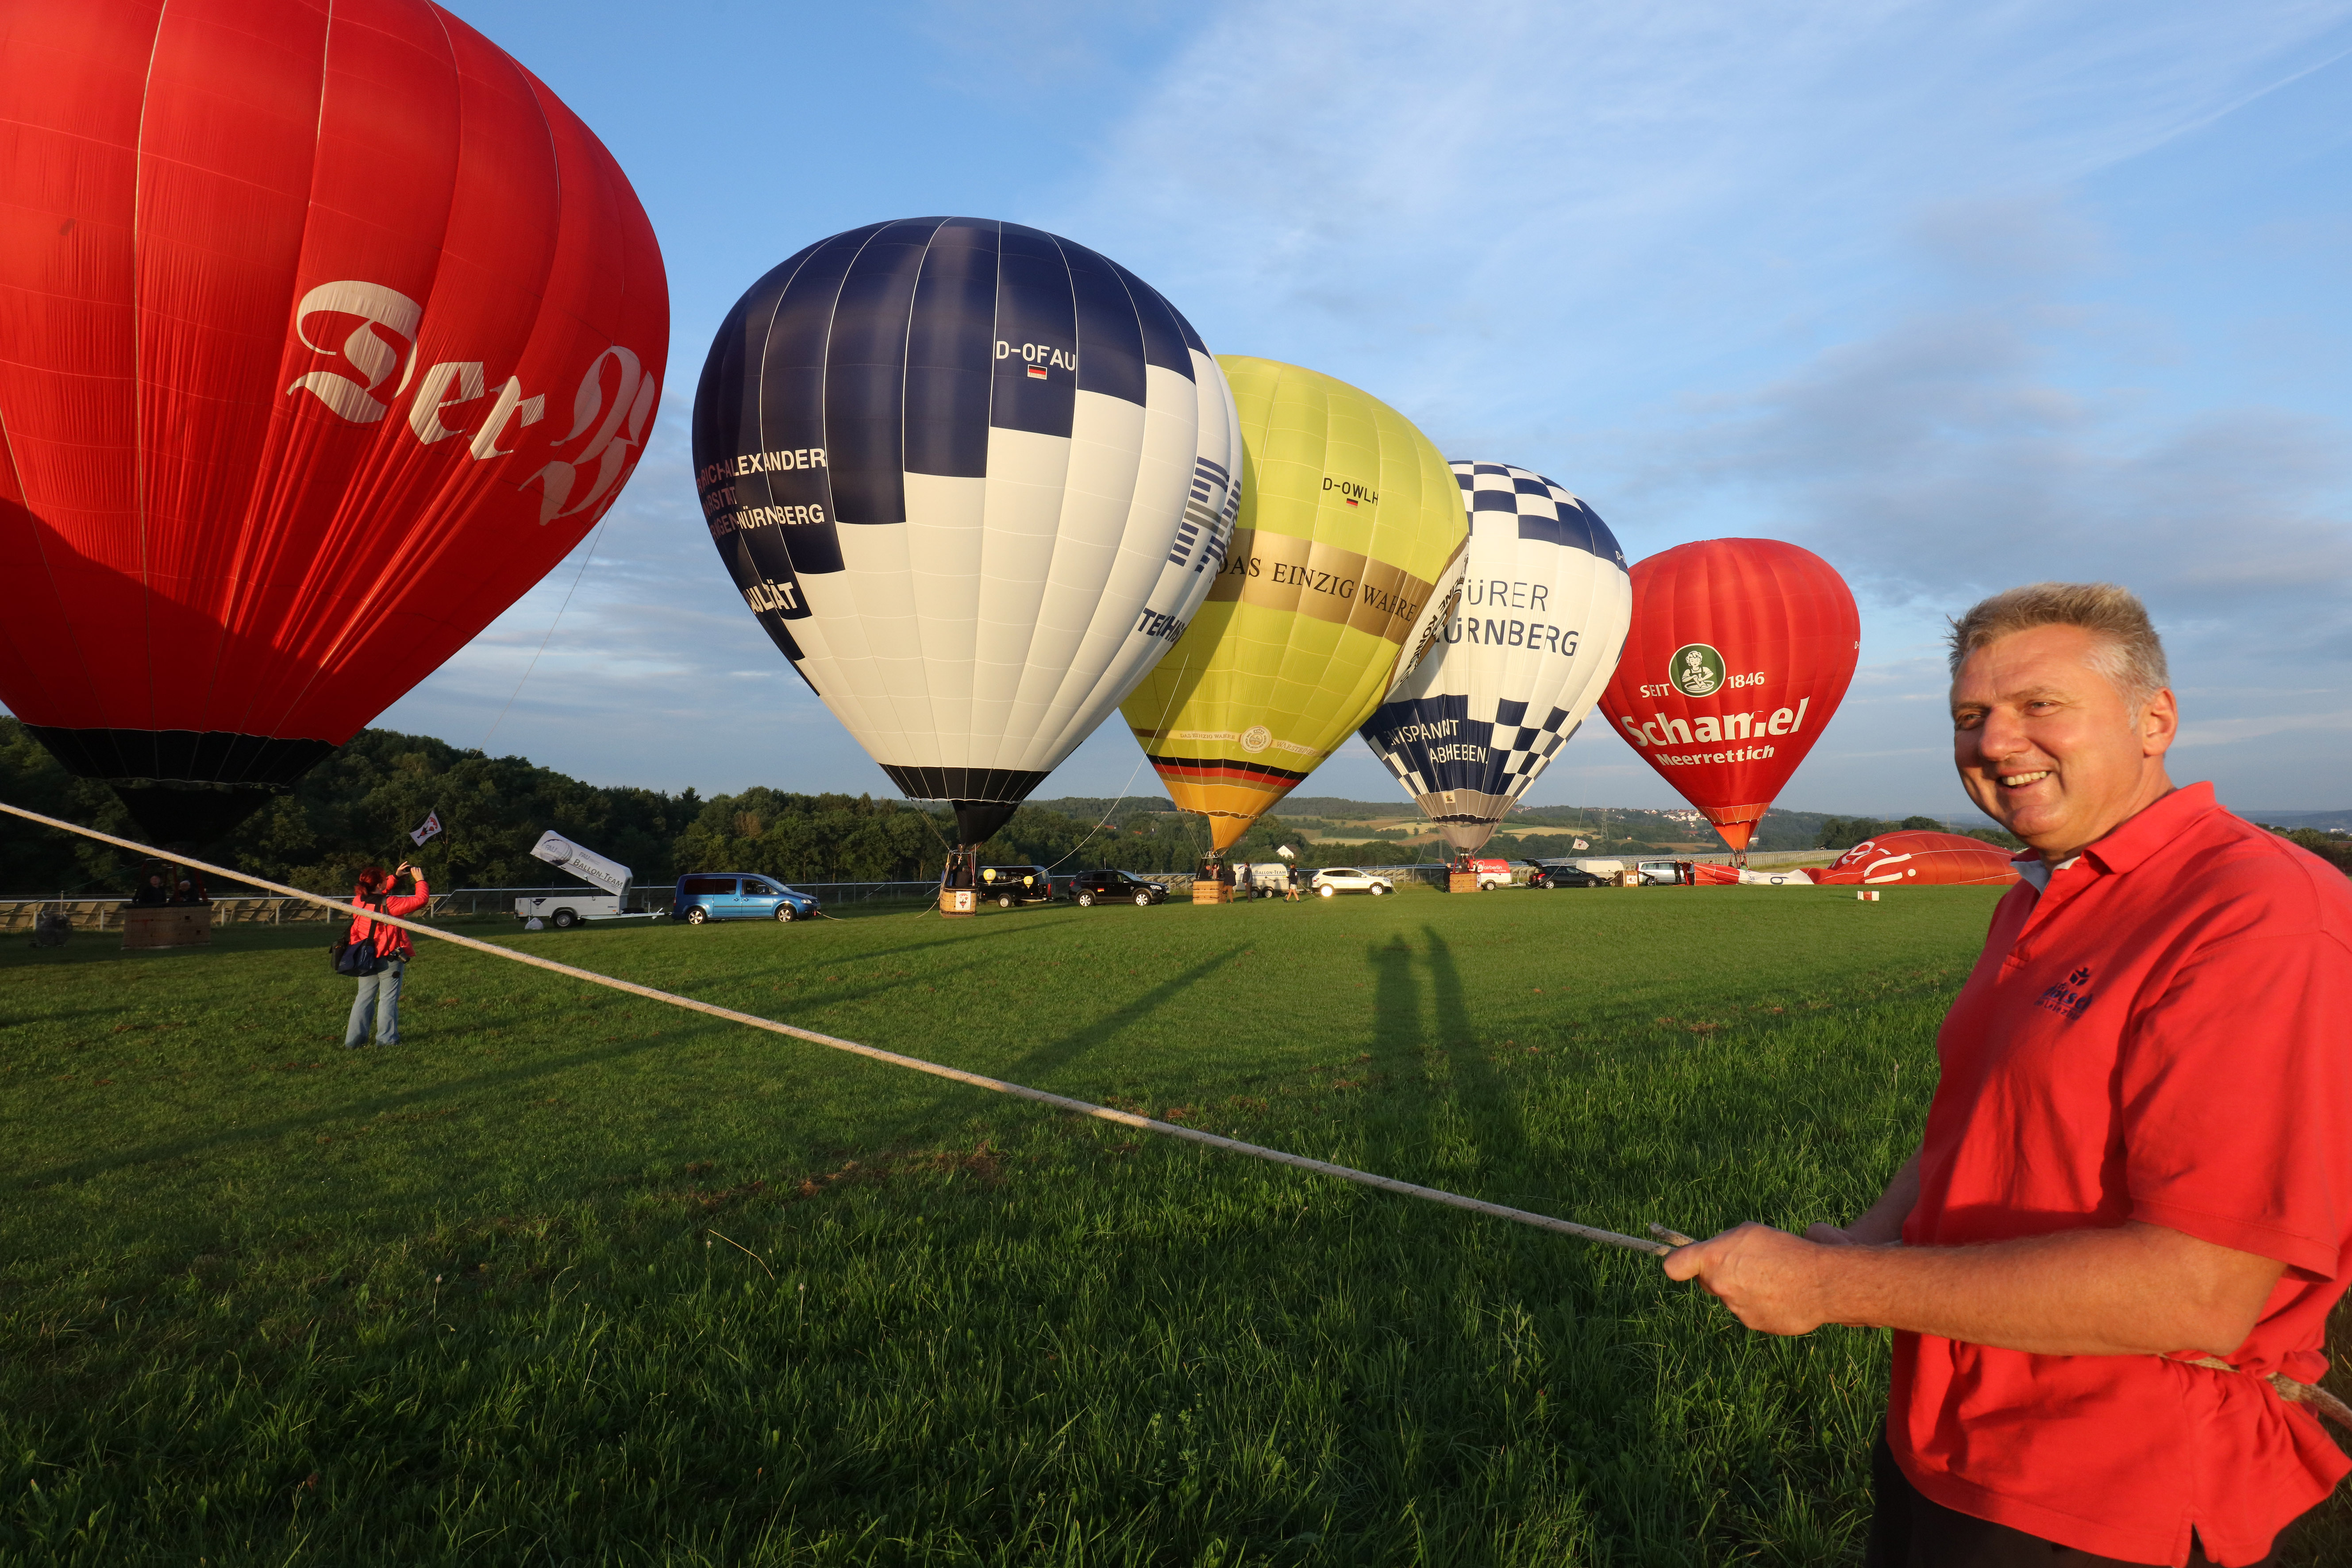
<point>1919,858</point>
<point>325,332</point>
<point>1740,650</point>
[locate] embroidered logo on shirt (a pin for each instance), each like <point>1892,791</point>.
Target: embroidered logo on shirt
<point>2067,999</point>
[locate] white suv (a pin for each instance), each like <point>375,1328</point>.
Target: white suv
<point>1347,880</point>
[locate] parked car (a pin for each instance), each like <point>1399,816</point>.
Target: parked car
<point>1091,887</point>
<point>1662,873</point>
<point>1565,877</point>
<point>739,896</point>
<point>1492,874</point>
<point>1006,886</point>
<point>1348,879</point>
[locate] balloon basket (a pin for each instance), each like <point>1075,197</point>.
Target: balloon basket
<point>1461,881</point>
<point>174,925</point>
<point>1868,897</point>
<point>959,901</point>
<point>1209,892</point>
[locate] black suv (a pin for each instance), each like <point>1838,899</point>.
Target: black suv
<point>1564,877</point>
<point>1006,886</point>
<point>1091,887</point>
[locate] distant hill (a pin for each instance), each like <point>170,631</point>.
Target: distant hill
<point>2323,821</point>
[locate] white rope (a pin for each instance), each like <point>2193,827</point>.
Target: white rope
<point>954,1074</point>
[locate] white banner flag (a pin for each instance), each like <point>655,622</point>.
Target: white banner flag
<point>432,825</point>
<point>584,864</point>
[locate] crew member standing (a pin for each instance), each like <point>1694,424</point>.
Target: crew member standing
<point>378,996</point>
<point>2110,1265</point>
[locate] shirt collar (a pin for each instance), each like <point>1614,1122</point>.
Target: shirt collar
<point>2131,841</point>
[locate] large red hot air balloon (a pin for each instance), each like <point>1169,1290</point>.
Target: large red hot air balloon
<point>1740,650</point>
<point>1915,858</point>
<point>325,332</point>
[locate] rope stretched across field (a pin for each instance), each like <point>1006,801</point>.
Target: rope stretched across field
<point>1658,1248</point>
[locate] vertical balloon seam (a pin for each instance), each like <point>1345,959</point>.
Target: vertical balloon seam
<point>349,623</point>
<point>931,700</point>
<point>290,703</point>
<point>326,43</point>
<point>914,295</point>
<point>138,339</point>
<point>1040,746</point>
<point>906,341</point>
<point>368,603</point>
<point>1061,515</point>
<point>1111,699</point>
<point>756,370</point>
<point>1294,623</point>
<point>1073,707</point>
<point>7,442</point>
<point>824,386</point>
<point>246,723</point>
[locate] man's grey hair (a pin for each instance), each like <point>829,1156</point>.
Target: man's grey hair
<point>2128,652</point>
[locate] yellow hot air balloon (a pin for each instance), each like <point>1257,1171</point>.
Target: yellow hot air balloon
<point>1345,555</point>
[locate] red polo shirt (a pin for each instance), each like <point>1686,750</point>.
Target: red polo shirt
<point>2164,1035</point>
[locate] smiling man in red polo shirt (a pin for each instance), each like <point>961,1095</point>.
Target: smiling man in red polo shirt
<point>2132,1205</point>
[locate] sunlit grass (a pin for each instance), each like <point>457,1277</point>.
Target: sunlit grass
<point>570,1277</point>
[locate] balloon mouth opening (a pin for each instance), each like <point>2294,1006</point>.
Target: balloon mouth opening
<point>176,814</point>
<point>185,788</point>
<point>978,820</point>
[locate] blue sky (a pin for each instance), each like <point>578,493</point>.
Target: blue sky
<point>1959,296</point>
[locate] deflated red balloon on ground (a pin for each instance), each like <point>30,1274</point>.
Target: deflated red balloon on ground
<point>1915,857</point>
<point>1740,651</point>
<point>325,332</point>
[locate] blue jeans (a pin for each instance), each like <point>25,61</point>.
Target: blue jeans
<point>379,997</point>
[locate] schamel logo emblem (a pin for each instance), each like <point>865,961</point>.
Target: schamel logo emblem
<point>1695,670</point>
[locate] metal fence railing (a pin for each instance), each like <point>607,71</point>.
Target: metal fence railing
<point>501,901</point>
<point>106,914</point>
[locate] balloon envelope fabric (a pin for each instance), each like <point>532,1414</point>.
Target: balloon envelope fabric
<point>1346,549</point>
<point>1739,651</point>
<point>1535,636</point>
<point>325,333</point>
<point>1917,858</point>
<point>973,480</point>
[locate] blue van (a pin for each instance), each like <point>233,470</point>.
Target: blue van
<point>739,896</point>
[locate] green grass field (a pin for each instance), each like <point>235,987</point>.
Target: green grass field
<point>567,1277</point>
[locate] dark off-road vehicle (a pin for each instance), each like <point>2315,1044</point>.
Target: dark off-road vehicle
<point>1005,886</point>
<point>1091,887</point>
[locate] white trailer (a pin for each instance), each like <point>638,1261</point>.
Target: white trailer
<point>564,910</point>
<point>1273,874</point>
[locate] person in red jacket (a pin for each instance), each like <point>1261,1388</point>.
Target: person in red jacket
<point>2110,1264</point>
<point>379,997</point>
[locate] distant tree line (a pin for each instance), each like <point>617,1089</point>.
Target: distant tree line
<point>2333,848</point>
<point>355,809</point>
<point>358,806</point>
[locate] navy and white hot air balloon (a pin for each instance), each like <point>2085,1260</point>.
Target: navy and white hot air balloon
<point>974,479</point>
<point>1533,640</point>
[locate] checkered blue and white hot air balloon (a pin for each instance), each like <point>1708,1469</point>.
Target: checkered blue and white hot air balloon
<point>1534,638</point>
<point>973,480</point>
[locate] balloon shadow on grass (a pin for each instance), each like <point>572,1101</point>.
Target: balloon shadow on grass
<point>1400,1137</point>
